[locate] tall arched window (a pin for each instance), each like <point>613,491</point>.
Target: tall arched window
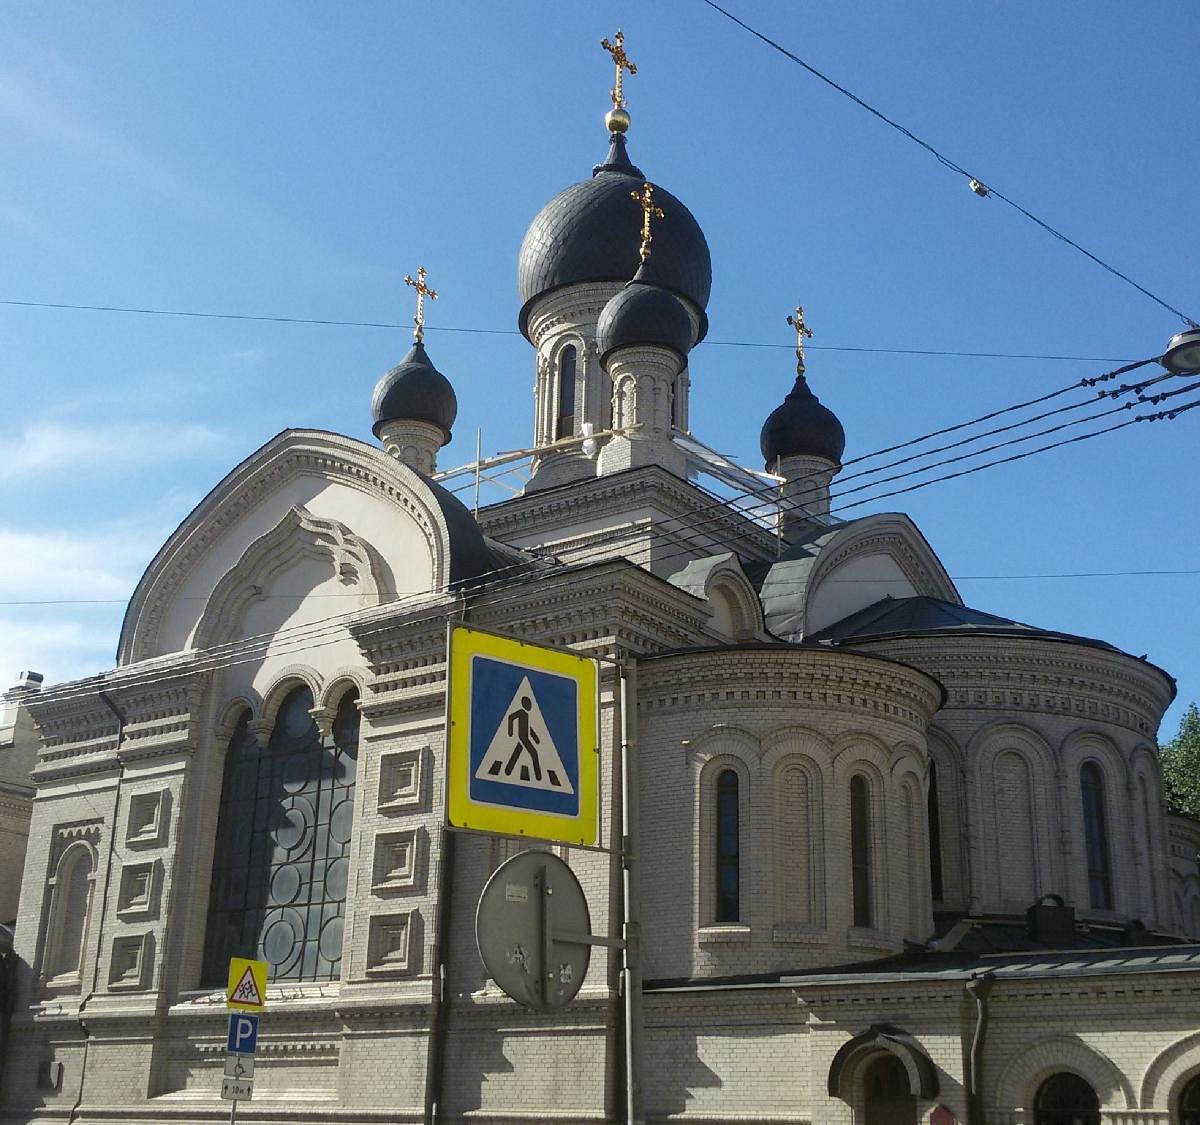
<point>70,907</point>
<point>728,853</point>
<point>1066,1099</point>
<point>935,837</point>
<point>565,425</point>
<point>1095,835</point>
<point>283,845</point>
<point>860,850</point>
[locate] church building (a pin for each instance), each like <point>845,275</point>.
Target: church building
<point>899,859</point>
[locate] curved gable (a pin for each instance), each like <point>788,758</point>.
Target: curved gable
<point>861,562</point>
<point>309,515</point>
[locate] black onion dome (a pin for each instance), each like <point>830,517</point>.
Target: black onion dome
<point>415,390</point>
<point>801,426</point>
<point>643,313</point>
<point>590,232</point>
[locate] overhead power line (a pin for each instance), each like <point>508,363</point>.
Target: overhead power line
<point>331,323</point>
<point>326,631</point>
<point>976,184</point>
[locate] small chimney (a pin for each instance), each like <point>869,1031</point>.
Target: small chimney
<point>1051,921</point>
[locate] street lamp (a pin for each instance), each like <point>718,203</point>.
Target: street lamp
<point>1182,356</point>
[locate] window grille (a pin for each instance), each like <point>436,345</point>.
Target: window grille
<point>283,845</point>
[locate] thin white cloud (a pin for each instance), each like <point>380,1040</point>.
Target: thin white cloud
<point>60,650</point>
<point>38,112</point>
<point>66,565</point>
<point>48,447</point>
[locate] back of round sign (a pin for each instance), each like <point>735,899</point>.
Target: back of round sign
<point>532,929</point>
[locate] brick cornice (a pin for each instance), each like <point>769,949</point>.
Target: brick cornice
<point>1029,674</point>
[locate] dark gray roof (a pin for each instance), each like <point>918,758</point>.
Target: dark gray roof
<point>415,390</point>
<point>891,617</point>
<point>643,314</point>
<point>473,556</point>
<point>590,231</point>
<point>801,425</point>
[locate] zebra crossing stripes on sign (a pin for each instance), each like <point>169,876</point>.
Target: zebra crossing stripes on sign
<point>521,738</point>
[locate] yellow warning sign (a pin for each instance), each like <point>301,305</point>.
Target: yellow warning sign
<point>247,985</point>
<point>523,754</point>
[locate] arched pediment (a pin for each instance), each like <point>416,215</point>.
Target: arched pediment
<point>307,498</point>
<point>877,1039</point>
<point>870,559</point>
<point>720,580</point>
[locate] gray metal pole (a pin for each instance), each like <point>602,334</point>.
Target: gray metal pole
<point>634,1102</point>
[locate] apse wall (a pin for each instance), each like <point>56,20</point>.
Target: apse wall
<point>783,796</point>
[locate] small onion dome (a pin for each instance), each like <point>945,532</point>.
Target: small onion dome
<point>644,313</point>
<point>414,390</point>
<point>801,426</point>
<point>588,232</point>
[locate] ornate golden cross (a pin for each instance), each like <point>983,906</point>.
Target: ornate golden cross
<point>423,291</point>
<point>645,198</point>
<point>617,50</point>
<point>802,330</point>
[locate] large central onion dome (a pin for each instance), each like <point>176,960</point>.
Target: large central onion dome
<point>588,232</point>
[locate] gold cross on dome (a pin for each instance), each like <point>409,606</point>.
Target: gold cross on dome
<point>802,330</point>
<point>645,198</point>
<point>423,291</point>
<point>622,60</point>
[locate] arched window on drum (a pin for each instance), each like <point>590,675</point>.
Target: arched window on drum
<point>1095,837</point>
<point>283,845</point>
<point>564,425</point>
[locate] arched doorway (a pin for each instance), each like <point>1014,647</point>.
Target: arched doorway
<point>1189,1102</point>
<point>888,1100</point>
<point>1066,1099</point>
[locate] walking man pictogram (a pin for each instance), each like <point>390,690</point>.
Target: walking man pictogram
<point>527,741</point>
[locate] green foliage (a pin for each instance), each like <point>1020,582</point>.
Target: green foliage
<point>1181,766</point>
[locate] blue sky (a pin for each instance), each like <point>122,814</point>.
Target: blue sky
<point>299,159</point>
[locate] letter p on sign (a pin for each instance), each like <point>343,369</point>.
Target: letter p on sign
<point>243,1033</point>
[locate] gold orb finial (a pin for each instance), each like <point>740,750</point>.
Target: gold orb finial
<point>617,120</point>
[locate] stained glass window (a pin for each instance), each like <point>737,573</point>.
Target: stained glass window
<point>1091,785</point>
<point>283,845</point>
<point>728,859</point>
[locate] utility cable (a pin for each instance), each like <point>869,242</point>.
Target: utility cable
<point>330,323</point>
<point>302,638</point>
<point>232,655</point>
<point>983,189</point>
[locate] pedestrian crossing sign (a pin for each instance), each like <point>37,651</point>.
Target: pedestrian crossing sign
<point>522,753</point>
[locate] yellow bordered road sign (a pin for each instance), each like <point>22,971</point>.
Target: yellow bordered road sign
<point>247,988</point>
<point>522,748</point>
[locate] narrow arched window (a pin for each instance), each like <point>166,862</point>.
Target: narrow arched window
<point>1066,1099</point>
<point>860,850</point>
<point>283,845</point>
<point>565,425</point>
<point>935,837</point>
<point>69,910</point>
<point>1095,836</point>
<point>728,853</point>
